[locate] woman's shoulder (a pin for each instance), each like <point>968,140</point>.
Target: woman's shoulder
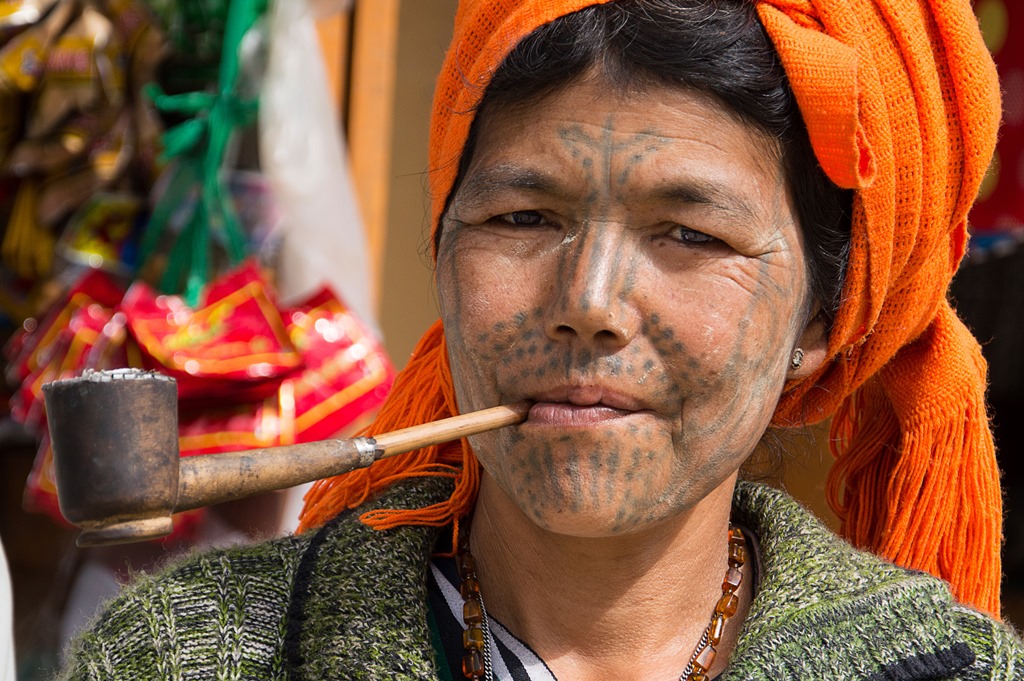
<point>259,610</point>
<point>859,613</point>
<point>205,612</point>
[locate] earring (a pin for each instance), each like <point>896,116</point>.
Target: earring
<point>798,358</point>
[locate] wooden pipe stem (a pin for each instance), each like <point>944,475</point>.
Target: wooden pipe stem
<point>453,428</point>
<point>216,478</point>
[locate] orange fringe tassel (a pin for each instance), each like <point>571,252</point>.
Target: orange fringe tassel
<point>915,478</point>
<point>423,392</point>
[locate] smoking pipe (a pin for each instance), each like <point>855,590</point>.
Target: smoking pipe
<point>119,476</point>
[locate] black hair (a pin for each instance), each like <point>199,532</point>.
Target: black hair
<point>717,47</point>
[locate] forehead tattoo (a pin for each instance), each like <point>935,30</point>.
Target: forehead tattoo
<point>598,154</point>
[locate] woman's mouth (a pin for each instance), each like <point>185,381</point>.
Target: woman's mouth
<point>567,414</point>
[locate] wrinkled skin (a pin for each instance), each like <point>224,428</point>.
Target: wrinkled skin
<point>633,265</point>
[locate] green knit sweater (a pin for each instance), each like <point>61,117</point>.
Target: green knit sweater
<point>348,602</point>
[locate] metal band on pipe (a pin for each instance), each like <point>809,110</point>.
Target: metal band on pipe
<point>367,449</point>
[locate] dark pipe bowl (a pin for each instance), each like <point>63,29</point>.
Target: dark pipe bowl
<point>115,445</point>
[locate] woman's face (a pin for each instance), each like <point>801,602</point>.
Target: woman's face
<point>633,266</point>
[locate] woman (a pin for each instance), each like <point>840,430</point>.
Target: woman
<point>643,231</point>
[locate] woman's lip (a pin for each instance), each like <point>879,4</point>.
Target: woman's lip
<point>569,414</point>
<point>589,396</point>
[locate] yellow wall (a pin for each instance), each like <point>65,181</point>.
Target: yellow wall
<point>407,303</point>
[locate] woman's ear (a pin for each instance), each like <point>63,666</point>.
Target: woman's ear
<point>811,349</point>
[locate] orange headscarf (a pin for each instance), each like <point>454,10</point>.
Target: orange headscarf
<point>901,102</point>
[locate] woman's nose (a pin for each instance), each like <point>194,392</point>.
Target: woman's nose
<point>593,292</point>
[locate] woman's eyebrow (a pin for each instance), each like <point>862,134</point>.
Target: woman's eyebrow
<point>703,193</point>
<point>483,184</point>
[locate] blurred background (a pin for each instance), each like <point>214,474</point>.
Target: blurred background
<point>234,192</point>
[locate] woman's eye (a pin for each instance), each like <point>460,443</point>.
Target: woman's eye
<point>522,218</point>
<point>692,236</point>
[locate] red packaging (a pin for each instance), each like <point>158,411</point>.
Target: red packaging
<point>231,428</point>
<point>64,357</point>
<point>29,350</point>
<point>234,346</point>
<point>344,381</point>
<point>41,489</point>
<point>347,375</point>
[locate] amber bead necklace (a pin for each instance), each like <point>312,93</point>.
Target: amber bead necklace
<point>728,604</point>
<point>476,663</point>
